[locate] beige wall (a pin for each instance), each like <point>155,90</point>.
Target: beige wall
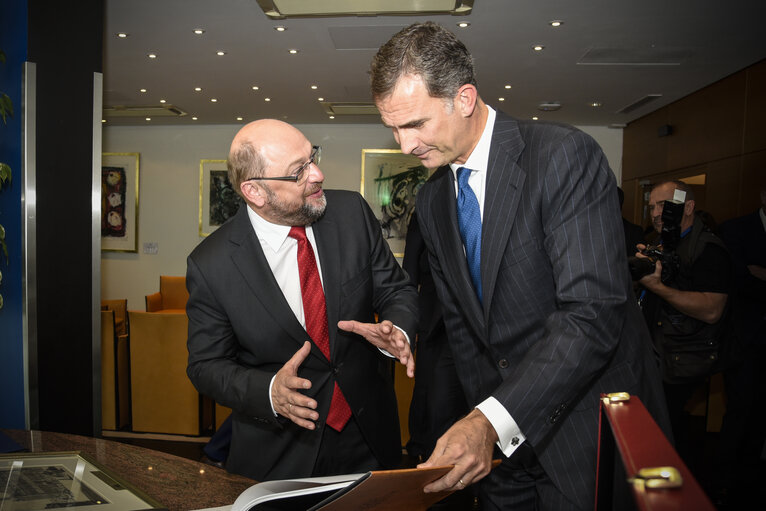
<point>169,189</point>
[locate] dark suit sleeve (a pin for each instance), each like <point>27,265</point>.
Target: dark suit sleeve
<point>583,242</point>
<point>214,352</point>
<point>394,296</point>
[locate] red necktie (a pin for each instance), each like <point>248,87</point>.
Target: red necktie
<point>315,311</point>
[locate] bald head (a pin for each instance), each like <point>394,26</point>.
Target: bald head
<point>259,145</point>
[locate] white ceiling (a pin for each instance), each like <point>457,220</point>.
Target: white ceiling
<point>665,47</point>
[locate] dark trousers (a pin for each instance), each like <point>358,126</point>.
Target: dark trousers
<point>521,484</point>
<point>344,452</point>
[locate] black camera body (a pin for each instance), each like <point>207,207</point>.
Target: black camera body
<point>665,252</point>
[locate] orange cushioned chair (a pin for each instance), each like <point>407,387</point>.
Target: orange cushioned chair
<point>164,400</point>
<point>172,296</point>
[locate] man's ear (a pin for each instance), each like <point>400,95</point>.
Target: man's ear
<point>466,99</point>
<point>253,193</point>
<point>689,207</point>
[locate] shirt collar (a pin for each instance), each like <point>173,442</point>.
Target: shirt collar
<point>273,234</point>
<point>478,160</point>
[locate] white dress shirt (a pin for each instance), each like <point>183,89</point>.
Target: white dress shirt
<point>509,434</point>
<point>281,252</point>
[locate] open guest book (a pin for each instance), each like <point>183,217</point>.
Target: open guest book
<point>382,490</point>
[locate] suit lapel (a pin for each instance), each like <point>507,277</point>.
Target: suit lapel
<point>247,256</point>
<point>501,201</point>
<point>452,256</point>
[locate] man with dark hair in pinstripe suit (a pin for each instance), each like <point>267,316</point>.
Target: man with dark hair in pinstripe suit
<point>547,320</point>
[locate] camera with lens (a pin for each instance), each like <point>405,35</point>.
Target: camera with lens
<point>665,252</point>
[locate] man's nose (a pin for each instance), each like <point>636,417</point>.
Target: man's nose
<point>315,173</point>
<point>408,142</point>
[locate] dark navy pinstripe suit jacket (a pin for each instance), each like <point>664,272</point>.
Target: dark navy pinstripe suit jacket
<point>559,324</point>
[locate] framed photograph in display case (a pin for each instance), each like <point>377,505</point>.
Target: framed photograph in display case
<point>218,201</point>
<point>55,480</point>
<point>390,181</point>
<point>119,202</point>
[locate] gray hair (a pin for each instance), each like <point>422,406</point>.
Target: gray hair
<point>244,162</point>
<point>427,50</point>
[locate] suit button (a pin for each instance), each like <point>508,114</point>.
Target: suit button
<point>503,363</point>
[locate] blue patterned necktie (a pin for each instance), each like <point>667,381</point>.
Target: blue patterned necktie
<point>469,222</point>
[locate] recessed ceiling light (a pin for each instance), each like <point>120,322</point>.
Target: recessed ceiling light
<point>320,99</point>
<point>194,118</point>
<point>148,118</point>
<point>220,53</point>
<point>538,47</point>
<point>198,89</point>
<point>534,118</point>
<point>163,101</point>
<point>556,23</point>
<point>103,120</point>
<point>332,117</point>
<point>501,99</point>
<point>142,90</point>
<point>199,31</point>
<point>595,104</point>
<point>122,35</point>
<point>463,24</point>
<point>293,51</point>
<point>314,87</point>
<point>280,28</point>
<point>255,87</point>
<point>267,99</point>
<point>239,118</point>
<point>213,100</point>
<point>152,55</point>
<point>507,86</point>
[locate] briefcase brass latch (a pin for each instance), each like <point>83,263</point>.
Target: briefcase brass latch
<point>658,477</point>
<point>615,397</point>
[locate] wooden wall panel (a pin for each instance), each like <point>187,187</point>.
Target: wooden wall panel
<point>722,188</point>
<point>643,152</point>
<point>709,124</point>
<point>755,116</point>
<point>753,181</point>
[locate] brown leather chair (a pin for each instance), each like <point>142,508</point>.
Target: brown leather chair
<point>171,297</point>
<point>163,398</point>
<point>115,374</point>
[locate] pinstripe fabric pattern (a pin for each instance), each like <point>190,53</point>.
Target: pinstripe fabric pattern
<point>559,325</point>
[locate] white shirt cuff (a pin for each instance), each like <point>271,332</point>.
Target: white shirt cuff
<point>509,436</point>
<point>271,383</point>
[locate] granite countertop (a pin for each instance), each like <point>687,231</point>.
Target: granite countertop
<point>177,483</point>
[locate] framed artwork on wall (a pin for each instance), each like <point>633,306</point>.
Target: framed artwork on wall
<point>390,181</point>
<point>119,202</point>
<point>218,201</point>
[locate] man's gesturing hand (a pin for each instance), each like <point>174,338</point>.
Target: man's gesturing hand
<point>385,336</point>
<point>285,396</point>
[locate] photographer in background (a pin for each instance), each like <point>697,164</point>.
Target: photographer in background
<point>685,305</point>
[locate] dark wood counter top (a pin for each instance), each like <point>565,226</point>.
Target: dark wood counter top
<point>178,483</point>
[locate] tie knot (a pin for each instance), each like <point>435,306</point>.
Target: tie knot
<point>463,173</point>
<point>298,232</point>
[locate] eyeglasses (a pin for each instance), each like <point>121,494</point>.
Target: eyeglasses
<point>296,175</point>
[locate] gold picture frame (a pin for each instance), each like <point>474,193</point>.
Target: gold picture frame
<point>218,201</point>
<point>390,181</point>
<point>119,202</point>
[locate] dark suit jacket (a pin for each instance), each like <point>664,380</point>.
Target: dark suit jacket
<point>242,331</point>
<point>558,325</point>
